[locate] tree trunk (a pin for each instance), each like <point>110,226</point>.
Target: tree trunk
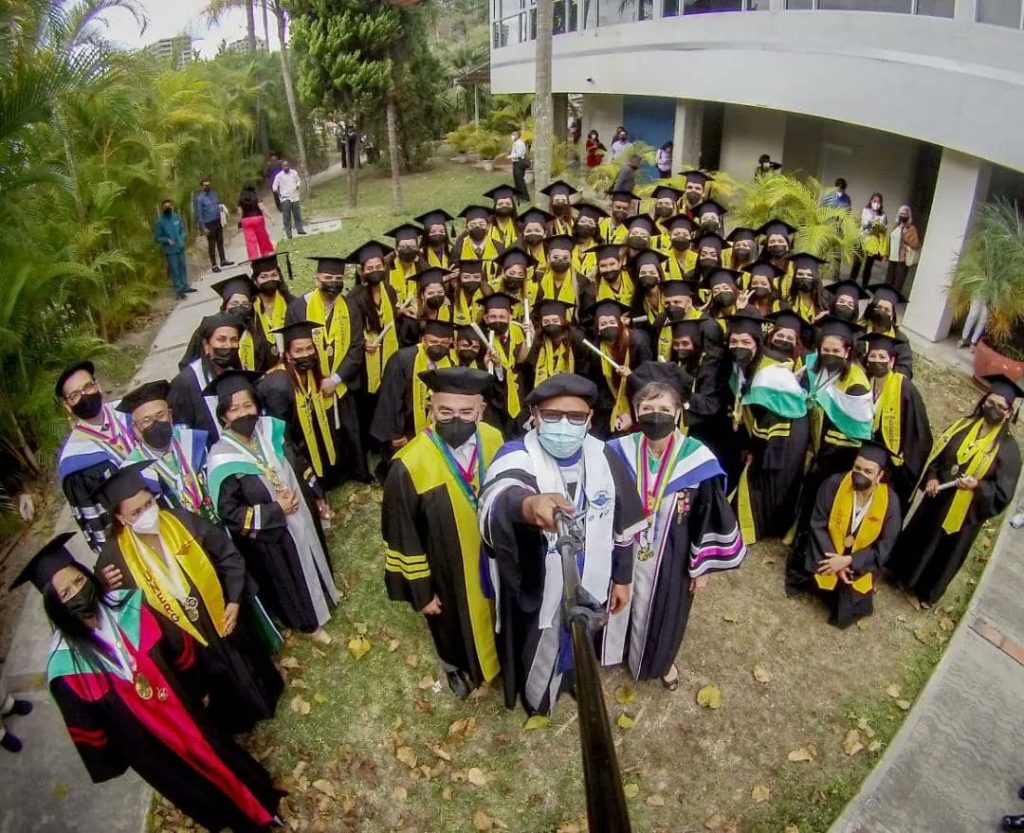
<point>289,92</point>
<point>542,105</point>
<point>250,26</point>
<point>266,25</point>
<point>396,172</point>
<point>353,169</point>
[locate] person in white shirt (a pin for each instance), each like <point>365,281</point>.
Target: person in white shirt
<point>517,156</point>
<point>286,185</point>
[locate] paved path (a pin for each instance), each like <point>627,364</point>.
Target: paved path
<point>44,788</point>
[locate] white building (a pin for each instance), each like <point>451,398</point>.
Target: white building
<point>922,100</point>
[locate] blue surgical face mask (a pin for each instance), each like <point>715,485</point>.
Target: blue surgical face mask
<point>561,439</point>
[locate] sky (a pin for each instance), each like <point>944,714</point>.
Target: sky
<point>172,17</point>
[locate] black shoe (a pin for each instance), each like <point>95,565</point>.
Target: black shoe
<point>302,232</point>
<point>1013,822</point>
<point>188,290</point>
<point>1020,793</point>
<point>216,268</point>
<point>181,296</point>
<point>458,685</point>
<point>227,263</point>
<point>20,708</point>
<point>10,742</point>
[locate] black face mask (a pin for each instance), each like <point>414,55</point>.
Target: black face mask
<point>436,352</point>
<point>470,287</point>
<point>332,288</point>
<point>648,281</point>
<point>656,426</point>
<point>992,414</point>
<point>762,292</point>
<point>434,302</point>
<point>611,275</point>
<point>437,239</point>
<point>675,314</point>
<point>88,406</point>
<point>241,314</point>
<point>477,234</point>
<point>513,284</point>
<point>158,434</point>
<point>692,197</point>
<point>271,286</point>
<point>245,425</point>
<point>225,357</point>
<point>832,364</point>
<point>559,265</point>
<point>708,262</point>
<point>585,231</point>
<point>504,211</point>
<point>683,355</point>
<point>455,432</point>
<point>608,333</point>
<point>663,211</point>
<point>499,328</point>
<point>305,363</point>
<point>741,255</point>
<point>637,243</point>
<point>619,214</point>
<point>861,482</point>
<point>743,356</point>
<point>375,277</point>
<point>552,330</point>
<point>881,319</point>
<point>533,239</point>
<point>468,355</point>
<point>723,300</point>
<point>561,208</point>
<point>844,313</point>
<point>804,284</point>
<point>778,250</point>
<point>407,254</point>
<point>876,370</point>
<point>680,244</point>
<point>85,603</point>
<point>167,212</point>
<point>710,224</point>
<point>784,348</point>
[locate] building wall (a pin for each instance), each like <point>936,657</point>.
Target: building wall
<point>747,132</point>
<point>602,113</point>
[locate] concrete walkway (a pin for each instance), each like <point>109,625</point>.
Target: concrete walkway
<point>45,788</point>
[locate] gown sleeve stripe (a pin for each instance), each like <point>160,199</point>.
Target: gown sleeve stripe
<point>411,566</point>
<point>247,522</point>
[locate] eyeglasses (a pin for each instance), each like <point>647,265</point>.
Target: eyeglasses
<point>145,422</point>
<point>465,414</point>
<point>88,389</point>
<point>574,417</point>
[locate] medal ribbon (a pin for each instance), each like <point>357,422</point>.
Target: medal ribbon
<point>666,465</point>
<point>259,459</point>
<point>464,477</point>
<point>117,441</point>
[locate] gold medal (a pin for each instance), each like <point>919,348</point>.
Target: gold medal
<point>162,694</point>
<point>643,554</point>
<point>143,687</point>
<point>192,608</point>
<point>848,541</point>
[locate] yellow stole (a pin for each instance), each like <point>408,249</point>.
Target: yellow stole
<point>804,307</point>
<point>247,351</point>
<point>507,354</point>
<point>310,405</point>
<point>271,322</point>
<point>332,341</point>
<point>867,533</point>
<point>504,231</point>
<point>376,363</point>
<point>552,360</point>
<point>560,227</point>
<point>624,294</point>
<point>888,415</point>
<point>441,262</point>
<point>465,310</point>
<point>420,392</point>
<point>488,254</point>
<point>974,456</point>
<point>674,270</point>
<point>621,405</point>
<point>566,292</point>
<point>403,279</point>
<point>584,263</point>
<point>616,235</point>
<point>153,577</point>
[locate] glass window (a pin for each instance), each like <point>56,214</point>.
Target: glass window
<point>798,4</point>
<point>610,12</point>
<point>903,6</point>
<point>705,6</point>
<point>670,8</point>
<point>1000,12</point>
<point>936,8</point>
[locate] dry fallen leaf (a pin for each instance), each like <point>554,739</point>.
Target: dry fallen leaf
<point>439,752</point>
<point>656,800</point>
<point>874,746</point>
<point>289,662</point>
<point>761,674</point>
<point>393,646</point>
<point>477,777</point>
<point>901,618</point>
<point>791,828</point>
<point>412,661</point>
<point>326,787</point>
<point>863,624</point>
<point>903,704</point>
<point>320,698</point>
<point>406,756</point>
<point>399,794</point>
<point>947,624</point>
<point>537,721</point>
<point>624,695</point>
<point>426,682</point>
<point>851,743</point>
<point>299,705</point>
<point>710,697</point>
<point>760,793</point>
<point>571,827</point>
<point>359,646</point>
<point>631,790</point>
<point>894,691</point>
<point>446,794</point>
<point>921,635</point>
<point>625,721</point>
<point>360,628</point>
<point>801,755</point>
<point>482,821</point>
<point>714,822</point>
<point>731,617</point>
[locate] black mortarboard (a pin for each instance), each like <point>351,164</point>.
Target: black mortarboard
<point>666,192</point>
<point>594,212</point>
<point>805,260</point>
<point>721,275</point>
<point>514,257</point>
<point>692,327</point>
<point>606,250</point>
<point>211,323</point>
<point>497,300</point>
<point>468,332</point>
<point>560,241</point>
<point>149,392</point>
<point>551,306</point>
<point>404,231</point>
<point>709,207</point>
<point>231,382</point>
<point>880,341</point>
<point>269,263</point>
<point>665,373</point>
<point>68,372</point>
<point>623,196</point>
<point>832,326</point>
<point>679,220</point>
<point>774,226</point>
<point>465,380</point>
<point>559,187</point>
<point>696,177</point>
<point>741,233</point>
<point>434,217</point>
<point>763,267</point>
<point>1002,385</point>
<point>441,329</point>
<point>677,287</point>
<point>709,238</point>
<point>789,320</point>
<point>874,452</point>
<point>747,320</point>
<point>641,220</point>
<point>608,306</point>
<point>475,212</point>
<point>433,274</point>
<point>329,264</point>
<point>887,292</point>
<point>235,285</point>
<point>296,330</point>
<point>52,557</point>
<point>851,288</point>
<point>124,483</point>
<point>473,267</point>
<point>367,251</point>
<point>536,215</point>
<point>649,256</point>
<point>563,384</point>
<point>502,192</point>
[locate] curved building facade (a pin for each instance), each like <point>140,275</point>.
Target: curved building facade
<point>922,100</point>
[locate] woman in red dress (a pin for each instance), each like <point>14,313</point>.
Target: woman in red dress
<point>252,219</point>
<point>595,150</point>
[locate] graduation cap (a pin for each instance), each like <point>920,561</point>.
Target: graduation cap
<point>830,325</point>
<point>696,177</point>
<point>473,267</point>
<point>296,330</point>
<point>563,384</point>
<point>607,307</point>
<point>720,275</point>
<point>709,207</point>
<point>211,323</point>
<point>785,319</point>
<point>650,256</point>
<point>641,220</point>
<point>887,292</point>
<point>441,329</point>
<point>467,332</point>
<point>559,188</point>
<point>270,263</point>
<point>678,288</point>
<point>475,212</point>
<point>847,287</point>
<point>149,392</point>
<point>404,231</point>
<point>236,285</point>
<point>53,557</point>
<point>741,233</point>
<point>434,217</point>
<point>1002,385</point>
<point>593,212</point>
<point>514,257</point>
<point>623,196</point>
<point>604,251</point>
<point>552,306</point>
<point>711,238</point>
<point>689,327</point>
<point>764,267</point>
<point>805,260</point>
<point>776,227</point>
<point>367,251</point>
<point>230,382</point>
<point>431,275</point>
<point>560,241</point>
<point>666,192</point>
<point>464,380</point>
<point>536,215</point>
<point>747,321</point>
<point>329,264</point>
<point>497,300</point>
<point>881,341</point>
<point>68,372</point>
<point>679,221</point>
<point>124,483</point>
<point>665,373</point>
<point>874,452</point>
<point>503,192</point>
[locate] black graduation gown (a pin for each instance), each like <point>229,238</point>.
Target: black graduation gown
<point>845,604</point>
<point>91,515</point>
<point>707,418</point>
<point>187,402</point>
<point>927,558</point>
<point>593,368</point>
<point>113,734</point>
<point>366,402</point>
<point>915,442</point>
<point>394,416</point>
<point>244,685</point>
<point>265,352</point>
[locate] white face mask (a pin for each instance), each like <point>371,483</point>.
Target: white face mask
<point>148,523</point>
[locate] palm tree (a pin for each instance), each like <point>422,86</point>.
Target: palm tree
<point>543,107</point>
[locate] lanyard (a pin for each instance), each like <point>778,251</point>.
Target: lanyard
<point>463,476</point>
<point>118,442</point>
<point>261,461</point>
<point>666,465</point>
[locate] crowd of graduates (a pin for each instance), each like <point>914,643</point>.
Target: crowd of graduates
<point>679,391</point>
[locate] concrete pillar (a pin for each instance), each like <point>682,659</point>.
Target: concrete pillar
<point>776,5</point>
<point>687,134</point>
<point>965,11</point>
<point>560,105</point>
<point>962,183</point>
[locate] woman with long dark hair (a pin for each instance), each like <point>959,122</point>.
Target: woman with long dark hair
<point>128,687</point>
<point>252,220</point>
<point>874,238</point>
